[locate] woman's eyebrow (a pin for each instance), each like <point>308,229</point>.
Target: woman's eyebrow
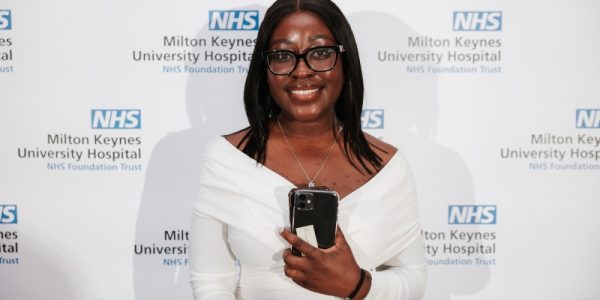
<point>281,41</point>
<point>320,37</point>
<point>313,38</point>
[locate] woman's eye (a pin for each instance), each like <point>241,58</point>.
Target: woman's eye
<point>321,53</point>
<point>281,57</point>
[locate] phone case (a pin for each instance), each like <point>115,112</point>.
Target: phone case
<point>316,207</point>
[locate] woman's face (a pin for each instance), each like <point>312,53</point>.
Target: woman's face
<point>304,94</point>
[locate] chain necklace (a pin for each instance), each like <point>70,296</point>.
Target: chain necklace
<point>311,183</point>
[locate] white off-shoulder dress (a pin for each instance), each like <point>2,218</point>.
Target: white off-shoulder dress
<point>236,251</point>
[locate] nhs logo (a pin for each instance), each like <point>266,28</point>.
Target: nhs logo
<point>116,119</point>
<point>5,20</point>
<point>587,118</point>
<point>233,20</point>
<point>477,21</point>
<point>472,214</point>
<point>8,214</point>
<point>372,118</point>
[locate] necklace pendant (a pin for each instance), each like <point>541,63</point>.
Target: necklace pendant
<point>311,184</point>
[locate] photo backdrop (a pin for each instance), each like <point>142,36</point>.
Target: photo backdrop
<point>107,106</point>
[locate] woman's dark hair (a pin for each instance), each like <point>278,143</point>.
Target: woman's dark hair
<point>261,108</point>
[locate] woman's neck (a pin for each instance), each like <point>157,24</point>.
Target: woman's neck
<point>314,133</point>
<point>307,129</point>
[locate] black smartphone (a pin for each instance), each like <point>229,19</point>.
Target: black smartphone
<point>313,216</point>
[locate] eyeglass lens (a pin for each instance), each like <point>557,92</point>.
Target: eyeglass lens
<point>318,59</point>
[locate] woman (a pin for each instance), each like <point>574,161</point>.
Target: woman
<point>303,98</point>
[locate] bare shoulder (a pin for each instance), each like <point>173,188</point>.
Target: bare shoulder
<point>381,148</point>
<point>237,137</point>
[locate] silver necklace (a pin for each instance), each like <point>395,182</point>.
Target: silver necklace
<point>311,183</point>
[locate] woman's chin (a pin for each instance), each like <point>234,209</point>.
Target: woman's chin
<point>310,118</point>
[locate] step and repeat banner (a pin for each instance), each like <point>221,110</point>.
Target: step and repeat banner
<point>107,106</point>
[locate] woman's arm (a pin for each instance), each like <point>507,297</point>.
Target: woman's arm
<point>402,277</point>
<point>212,266</point>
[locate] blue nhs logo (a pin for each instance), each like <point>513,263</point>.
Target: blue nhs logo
<point>372,118</point>
<point>5,20</point>
<point>587,118</point>
<point>233,20</point>
<point>116,119</point>
<point>8,214</point>
<point>477,21</point>
<point>472,214</point>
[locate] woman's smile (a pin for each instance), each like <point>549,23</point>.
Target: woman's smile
<point>304,93</point>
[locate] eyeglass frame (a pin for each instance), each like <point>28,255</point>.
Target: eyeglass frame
<point>338,49</point>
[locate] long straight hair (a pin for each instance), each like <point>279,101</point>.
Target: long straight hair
<point>261,108</point>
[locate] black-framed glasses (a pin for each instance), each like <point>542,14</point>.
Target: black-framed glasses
<point>318,59</point>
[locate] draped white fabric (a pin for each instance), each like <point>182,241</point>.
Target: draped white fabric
<point>241,205</point>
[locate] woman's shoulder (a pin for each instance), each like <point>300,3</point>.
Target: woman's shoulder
<point>381,148</point>
<point>237,139</point>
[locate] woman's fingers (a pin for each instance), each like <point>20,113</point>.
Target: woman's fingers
<point>302,246</point>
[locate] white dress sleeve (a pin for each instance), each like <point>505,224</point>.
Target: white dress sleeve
<point>402,277</point>
<point>213,272</point>
<point>402,274</point>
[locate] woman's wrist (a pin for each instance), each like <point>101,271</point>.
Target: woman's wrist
<point>362,287</point>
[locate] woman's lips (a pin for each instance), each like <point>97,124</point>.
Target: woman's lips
<point>304,94</point>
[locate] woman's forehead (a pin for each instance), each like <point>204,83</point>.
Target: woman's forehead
<point>301,26</point>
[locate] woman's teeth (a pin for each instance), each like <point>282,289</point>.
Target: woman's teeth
<point>303,92</point>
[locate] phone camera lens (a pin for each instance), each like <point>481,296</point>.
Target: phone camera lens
<point>302,197</point>
<point>301,205</point>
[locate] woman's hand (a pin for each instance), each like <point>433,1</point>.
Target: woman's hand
<point>332,271</point>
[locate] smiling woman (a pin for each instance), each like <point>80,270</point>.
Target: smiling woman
<point>303,98</point>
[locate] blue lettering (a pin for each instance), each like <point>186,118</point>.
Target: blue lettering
<point>477,21</point>
<point>116,118</point>
<point>8,214</point>
<point>233,20</point>
<point>587,118</point>
<point>5,20</point>
<point>472,214</point>
<point>372,118</point>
